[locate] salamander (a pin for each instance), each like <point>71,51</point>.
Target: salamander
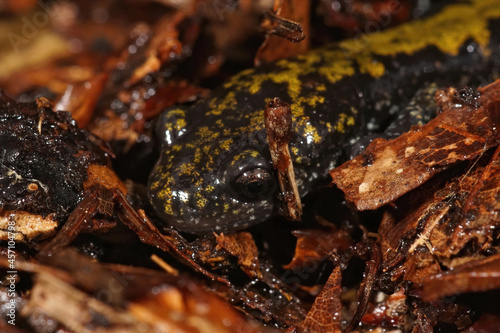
<point>214,172</point>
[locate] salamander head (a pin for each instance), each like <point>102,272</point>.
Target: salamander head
<point>212,180</point>
<point>214,171</point>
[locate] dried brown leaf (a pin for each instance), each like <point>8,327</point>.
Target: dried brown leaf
<point>242,246</point>
<point>318,245</point>
<point>80,98</point>
<point>420,230</point>
<point>389,169</point>
<point>479,217</point>
<point>164,46</point>
<point>325,314</point>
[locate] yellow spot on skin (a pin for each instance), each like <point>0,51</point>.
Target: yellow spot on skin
<point>226,144</point>
<point>296,155</point>
<point>186,168</point>
<point>340,126</point>
<point>178,112</point>
<point>178,122</point>
<point>217,108</point>
<point>311,130</point>
<point>321,88</point>
<point>201,203</point>
<point>256,121</point>
<point>337,73</point>
<point>206,133</point>
<point>372,67</point>
<point>167,208</point>
<point>312,100</point>
<point>243,155</point>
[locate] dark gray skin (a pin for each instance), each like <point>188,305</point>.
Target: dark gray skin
<point>214,171</point>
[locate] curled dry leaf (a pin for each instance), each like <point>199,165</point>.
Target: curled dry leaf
<point>318,245</point>
<point>80,98</point>
<point>416,237</point>
<point>372,250</point>
<point>479,216</point>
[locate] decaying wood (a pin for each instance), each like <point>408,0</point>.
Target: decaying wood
<point>85,296</point>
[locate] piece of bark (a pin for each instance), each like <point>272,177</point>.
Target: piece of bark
<point>464,130</point>
<point>278,121</point>
<point>474,276</point>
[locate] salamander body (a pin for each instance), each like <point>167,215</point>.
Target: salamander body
<point>214,172</point>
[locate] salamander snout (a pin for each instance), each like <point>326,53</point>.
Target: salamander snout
<point>236,191</point>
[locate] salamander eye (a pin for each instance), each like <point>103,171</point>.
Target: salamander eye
<point>254,183</point>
